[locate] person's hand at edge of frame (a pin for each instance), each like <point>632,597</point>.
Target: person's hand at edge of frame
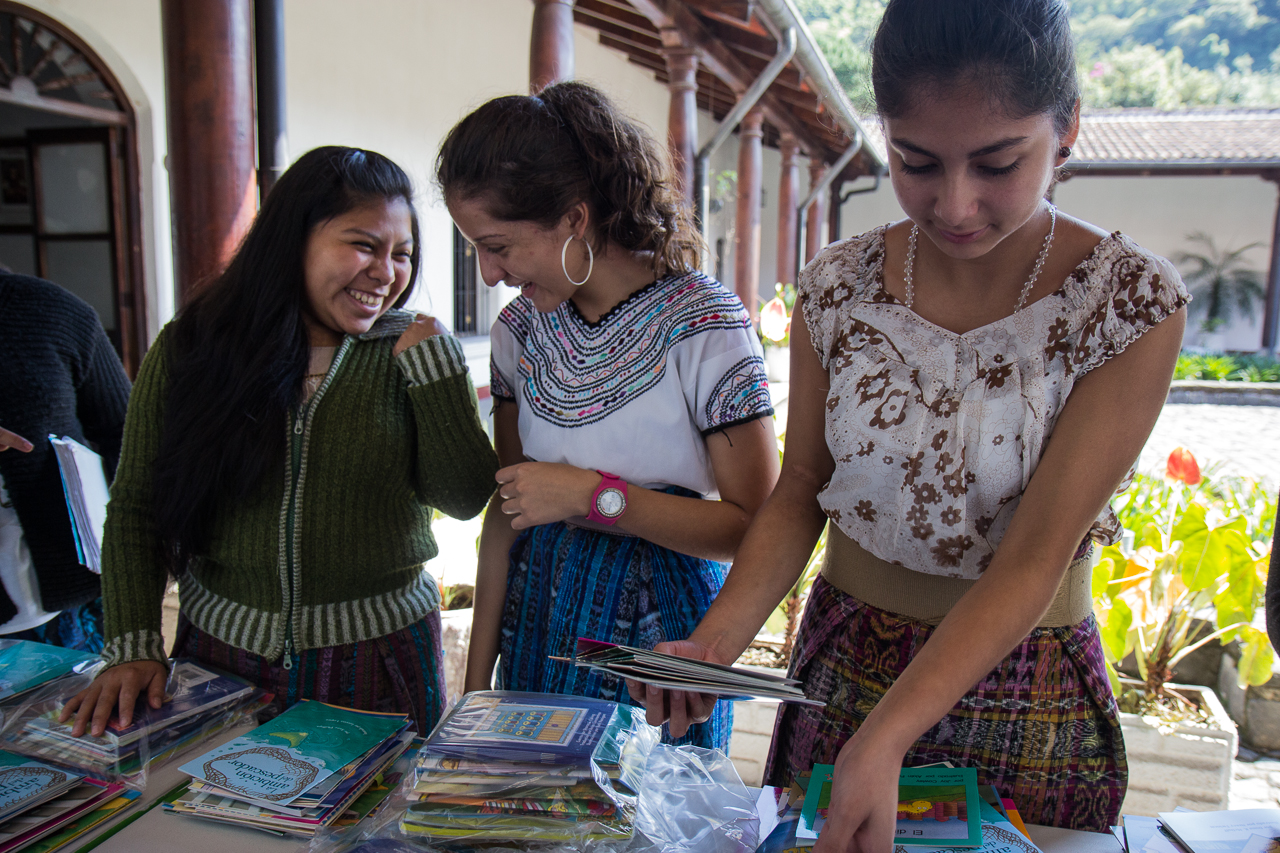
<point>17,442</point>
<point>862,815</point>
<point>119,685</point>
<point>678,707</point>
<point>423,326</point>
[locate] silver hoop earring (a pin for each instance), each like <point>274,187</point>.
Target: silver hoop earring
<point>591,261</point>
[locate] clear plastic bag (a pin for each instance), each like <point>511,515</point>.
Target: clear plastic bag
<point>200,702</point>
<point>688,799</point>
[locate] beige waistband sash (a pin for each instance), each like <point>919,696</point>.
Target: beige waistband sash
<point>852,569</point>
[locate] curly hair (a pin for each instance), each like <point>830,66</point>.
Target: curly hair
<point>533,157</point>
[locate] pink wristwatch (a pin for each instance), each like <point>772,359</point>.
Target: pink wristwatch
<point>610,499</point>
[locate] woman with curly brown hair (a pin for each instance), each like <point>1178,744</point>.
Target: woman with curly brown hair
<point>631,408</point>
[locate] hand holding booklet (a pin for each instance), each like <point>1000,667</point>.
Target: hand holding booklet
<point>673,672</point>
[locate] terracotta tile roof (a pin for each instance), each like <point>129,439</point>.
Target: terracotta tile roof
<point>1192,137</point>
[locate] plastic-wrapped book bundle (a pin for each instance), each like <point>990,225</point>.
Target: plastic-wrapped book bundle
<point>198,704</point>
<point>558,774</point>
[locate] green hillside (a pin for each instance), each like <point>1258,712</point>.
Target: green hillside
<point>1132,53</point>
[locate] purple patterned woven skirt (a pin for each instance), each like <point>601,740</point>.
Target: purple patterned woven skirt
<point>1042,727</point>
<point>401,672</point>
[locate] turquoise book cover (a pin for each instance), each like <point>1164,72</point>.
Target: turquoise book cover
<point>281,760</point>
<point>937,806</point>
<point>25,665</point>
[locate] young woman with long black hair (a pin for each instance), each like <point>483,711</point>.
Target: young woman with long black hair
<point>969,387</point>
<point>288,437</point>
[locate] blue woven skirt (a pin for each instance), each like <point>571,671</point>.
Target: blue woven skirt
<point>566,582</point>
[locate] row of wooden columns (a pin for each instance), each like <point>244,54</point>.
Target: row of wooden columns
<point>551,60</point>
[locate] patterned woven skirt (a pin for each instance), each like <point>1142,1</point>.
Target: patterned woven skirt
<point>401,672</point>
<point>1042,727</point>
<point>566,582</point>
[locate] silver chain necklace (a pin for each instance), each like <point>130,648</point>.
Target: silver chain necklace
<point>1026,288</point>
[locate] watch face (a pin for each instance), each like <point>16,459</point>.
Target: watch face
<point>610,503</point>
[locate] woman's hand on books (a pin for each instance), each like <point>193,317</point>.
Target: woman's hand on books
<point>681,708</point>
<point>862,816</point>
<point>422,327</point>
<point>12,439</point>
<point>120,685</point>
<point>536,493</point>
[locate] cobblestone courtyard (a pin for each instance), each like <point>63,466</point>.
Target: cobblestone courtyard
<point>1243,439</point>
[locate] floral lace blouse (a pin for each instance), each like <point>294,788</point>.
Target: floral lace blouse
<point>935,435</point>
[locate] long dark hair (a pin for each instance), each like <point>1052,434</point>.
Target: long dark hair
<point>1019,51</point>
<point>238,353</point>
<point>533,157</point>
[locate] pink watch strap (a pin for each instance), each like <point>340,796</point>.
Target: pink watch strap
<point>607,481</point>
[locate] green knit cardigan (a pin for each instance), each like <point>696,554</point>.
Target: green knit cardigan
<point>332,551</point>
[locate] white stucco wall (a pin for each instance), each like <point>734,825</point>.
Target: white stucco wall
<point>1157,212</point>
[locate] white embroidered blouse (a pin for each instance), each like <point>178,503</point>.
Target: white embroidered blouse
<point>636,392</point>
<point>935,435</point>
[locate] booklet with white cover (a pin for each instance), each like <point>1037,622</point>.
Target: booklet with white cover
<point>1223,831</point>
<point>84,481</point>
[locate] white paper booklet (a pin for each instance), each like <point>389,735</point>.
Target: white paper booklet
<point>85,483</point>
<point>1222,832</point>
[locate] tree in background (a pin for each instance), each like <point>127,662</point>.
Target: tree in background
<point>1132,53</point>
<point>1220,280</point>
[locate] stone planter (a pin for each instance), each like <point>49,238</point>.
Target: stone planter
<point>1187,766</point>
<point>1255,709</point>
<point>752,733</point>
<point>777,363</point>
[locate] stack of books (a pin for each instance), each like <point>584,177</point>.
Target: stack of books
<point>198,703</point>
<point>298,773</point>
<point>1183,831</point>
<point>672,672</point>
<point>507,765</point>
<point>46,807</point>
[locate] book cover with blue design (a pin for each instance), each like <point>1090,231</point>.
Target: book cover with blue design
<point>510,726</point>
<point>25,665</point>
<point>25,783</point>
<point>281,760</point>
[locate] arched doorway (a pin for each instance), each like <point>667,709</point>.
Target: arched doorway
<point>69,192</point>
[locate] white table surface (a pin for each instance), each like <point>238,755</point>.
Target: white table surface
<point>157,831</point>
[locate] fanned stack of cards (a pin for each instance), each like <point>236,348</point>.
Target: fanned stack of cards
<point>672,672</point>
<point>506,765</point>
<point>51,806</point>
<point>198,701</point>
<point>297,773</point>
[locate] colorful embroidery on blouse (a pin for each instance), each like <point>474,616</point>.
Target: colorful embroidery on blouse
<point>573,373</point>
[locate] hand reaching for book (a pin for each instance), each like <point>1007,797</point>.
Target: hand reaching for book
<point>864,796</point>
<point>679,707</point>
<point>120,685</point>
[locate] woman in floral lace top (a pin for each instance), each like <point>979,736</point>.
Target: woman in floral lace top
<point>969,388</point>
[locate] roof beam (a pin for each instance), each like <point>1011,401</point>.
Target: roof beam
<point>676,18</point>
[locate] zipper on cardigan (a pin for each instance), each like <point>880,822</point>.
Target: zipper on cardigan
<point>301,427</point>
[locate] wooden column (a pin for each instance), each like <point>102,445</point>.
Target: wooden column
<point>788,215</point>
<point>1271,320</point>
<point>746,239</point>
<point>551,44</point>
<point>816,223</point>
<point>208,58</point>
<point>682,117</point>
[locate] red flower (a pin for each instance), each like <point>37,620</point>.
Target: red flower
<point>1182,466</point>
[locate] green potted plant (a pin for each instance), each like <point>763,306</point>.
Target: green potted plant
<point>1195,547</point>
